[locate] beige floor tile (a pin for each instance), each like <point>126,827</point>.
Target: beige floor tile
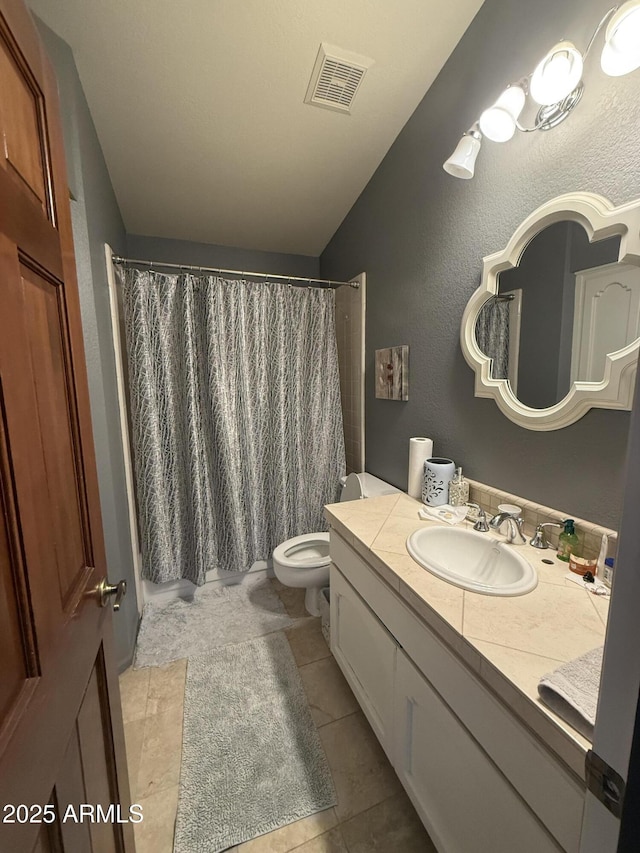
<point>330,842</point>
<point>307,642</point>
<point>134,689</point>
<point>166,687</point>
<point>329,695</point>
<point>288,837</point>
<point>292,598</point>
<point>161,753</point>
<point>390,827</point>
<point>361,772</point>
<point>134,737</point>
<point>155,833</point>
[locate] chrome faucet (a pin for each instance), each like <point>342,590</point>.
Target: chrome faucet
<point>539,539</point>
<point>481,524</point>
<point>514,535</point>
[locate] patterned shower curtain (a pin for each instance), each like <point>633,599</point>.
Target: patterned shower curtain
<point>235,414</point>
<point>492,334</point>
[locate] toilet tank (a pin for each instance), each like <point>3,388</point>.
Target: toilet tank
<point>365,485</point>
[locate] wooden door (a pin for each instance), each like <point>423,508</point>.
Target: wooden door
<point>61,734</point>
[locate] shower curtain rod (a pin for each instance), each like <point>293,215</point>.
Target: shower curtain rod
<point>289,278</point>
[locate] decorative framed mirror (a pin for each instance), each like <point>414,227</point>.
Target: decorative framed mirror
<point>553,330</point>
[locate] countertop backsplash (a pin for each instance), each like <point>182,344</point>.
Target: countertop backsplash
<point>589,534</point>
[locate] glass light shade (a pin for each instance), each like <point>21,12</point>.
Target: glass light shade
<point>498,123</point>
<point>621,52</point>
<point>557,75</point>
<point>462,162</point>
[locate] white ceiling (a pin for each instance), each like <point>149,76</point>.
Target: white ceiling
<point>199,107</point>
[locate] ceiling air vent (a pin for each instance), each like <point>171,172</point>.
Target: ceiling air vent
<point>336,78</point>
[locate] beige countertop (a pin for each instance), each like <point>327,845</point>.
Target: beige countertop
<point>509,642</point>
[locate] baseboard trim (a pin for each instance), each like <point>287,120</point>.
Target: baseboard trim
<point>172,590</point>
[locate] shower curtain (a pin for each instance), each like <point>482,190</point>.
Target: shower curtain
<point>492,334</point>
<point>235,414</point>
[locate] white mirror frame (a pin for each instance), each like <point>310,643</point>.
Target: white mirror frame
<point>600,219</point>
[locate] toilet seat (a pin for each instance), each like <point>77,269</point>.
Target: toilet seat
<point>304,561</point>
<point>309,551</point>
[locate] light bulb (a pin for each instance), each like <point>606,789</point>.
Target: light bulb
<point>498,123</point>
<point>462,162</point>
<point>621,52</point>
<point>557,75</point>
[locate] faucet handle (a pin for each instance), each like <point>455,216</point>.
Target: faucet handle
<point>539,538</point>
<point>481,524</point>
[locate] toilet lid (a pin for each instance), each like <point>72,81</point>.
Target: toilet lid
<point>352,489</point>
<point>309,551</point>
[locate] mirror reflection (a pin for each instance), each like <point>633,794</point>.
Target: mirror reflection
<point>557,314</point>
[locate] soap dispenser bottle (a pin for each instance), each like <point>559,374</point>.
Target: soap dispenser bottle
<point>458,490</point>
<point>567,541</point>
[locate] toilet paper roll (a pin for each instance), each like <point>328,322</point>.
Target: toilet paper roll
<point>420,449</point>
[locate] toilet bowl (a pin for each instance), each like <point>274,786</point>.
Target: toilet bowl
<point>303,561</point>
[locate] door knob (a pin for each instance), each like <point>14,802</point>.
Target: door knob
<point>105,590</point>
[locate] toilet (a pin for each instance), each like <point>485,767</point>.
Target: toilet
<point>303,561</point>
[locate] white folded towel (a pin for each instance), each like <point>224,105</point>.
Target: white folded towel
<point>597,587</point>
<point>446,512</point>
<point>572,689</point>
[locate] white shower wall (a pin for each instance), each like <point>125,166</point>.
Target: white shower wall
<point>350,336</point>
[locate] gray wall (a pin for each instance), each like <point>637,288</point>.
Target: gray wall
<point>209,255</point>
<point>96,221</point>
<point>421,235</point>
<point>541,276</point>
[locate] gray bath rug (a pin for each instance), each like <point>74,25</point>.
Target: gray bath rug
<point>217,615</point>
<point>252,760</point>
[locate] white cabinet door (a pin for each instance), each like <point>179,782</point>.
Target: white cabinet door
<point>464,801</point>
<point>365,652</point>
<point>606,317</point>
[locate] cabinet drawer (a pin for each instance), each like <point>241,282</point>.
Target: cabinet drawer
<point>553,794</point>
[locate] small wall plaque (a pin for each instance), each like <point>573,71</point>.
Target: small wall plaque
<point>392,373</point>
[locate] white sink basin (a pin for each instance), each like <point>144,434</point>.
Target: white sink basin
<point>472,560</point>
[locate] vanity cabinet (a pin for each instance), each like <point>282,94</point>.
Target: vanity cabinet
<point>478,778</point>
<point>463,800</point>
<point>366,653</point>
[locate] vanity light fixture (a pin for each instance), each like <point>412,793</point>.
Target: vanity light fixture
<point>557,75</point>
<point>462,162</point>
<point>555,86</point>
<point>621,52</point>
<point>499,122</point>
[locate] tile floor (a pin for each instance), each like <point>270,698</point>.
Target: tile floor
<point>373,814</point>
